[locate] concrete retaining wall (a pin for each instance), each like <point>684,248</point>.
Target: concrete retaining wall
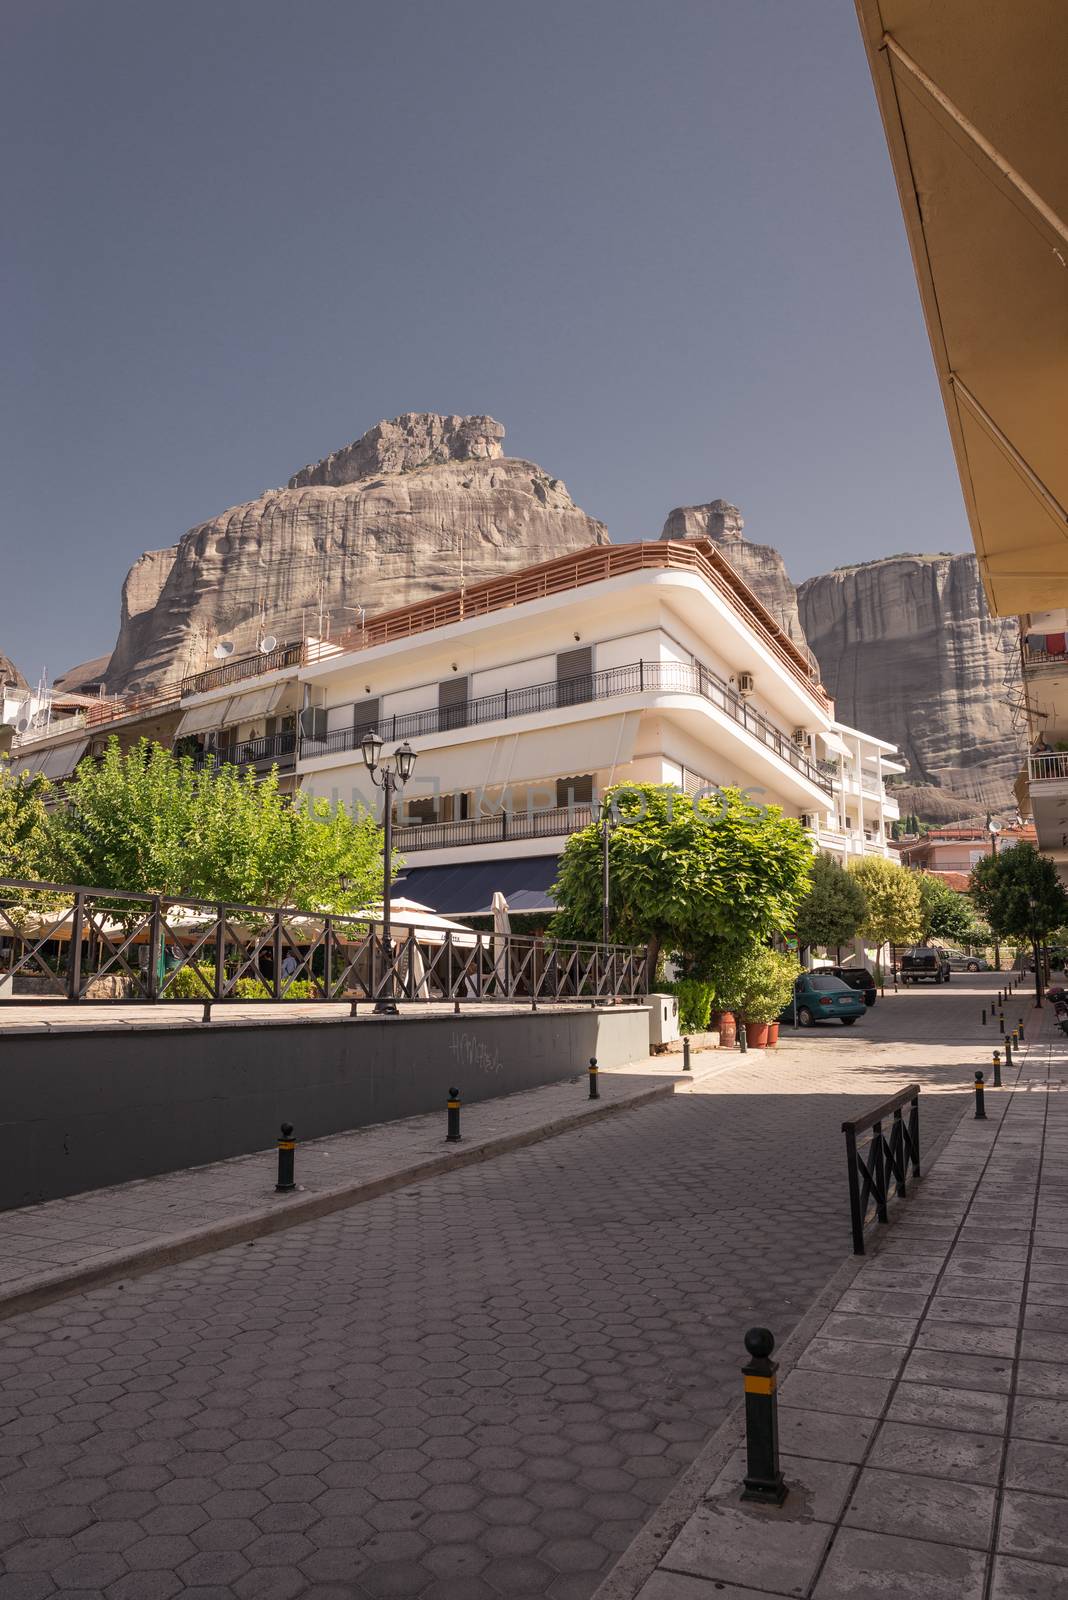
<point>86,1108</point>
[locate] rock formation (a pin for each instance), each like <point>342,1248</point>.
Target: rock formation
<point>761,566</point>
<point>9,673</point>
<point>418,439</point>
<point>910,653</point>
<point>86,677</point>
<point>402,514</point>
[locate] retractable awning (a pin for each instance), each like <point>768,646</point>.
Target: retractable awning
<point>202,718</point>
<point>972,97</point>
<point>835,743</point>
<point>55,762</point>
<point>467,890</point>
<point>255,703</point>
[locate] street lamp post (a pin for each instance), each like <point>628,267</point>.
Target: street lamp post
<point>606,906</point>
<point>390,776</point>
<point>1037,952</point>
<point>993,830</point>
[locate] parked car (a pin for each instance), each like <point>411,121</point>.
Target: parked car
<point>923,962</point>
<point>819,997</point>
<point>960,961</point>
<point>858,978</point>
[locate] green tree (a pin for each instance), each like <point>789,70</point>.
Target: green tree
<point>23,824</point>
<point>946,914</point>
<point>700,875</point>
<point>833,911</point>
<point>151,823</point>
<point>1020,895</point>
<point>895,913</point>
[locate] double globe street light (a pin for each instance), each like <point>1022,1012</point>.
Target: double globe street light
<point>390,776</point>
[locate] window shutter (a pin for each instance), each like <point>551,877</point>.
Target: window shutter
<point>574,676</point>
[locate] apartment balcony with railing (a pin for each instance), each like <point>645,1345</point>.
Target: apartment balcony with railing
<point>639,677</point>
<point>272,749</point>
<point>1048,767</point>
<point>499,827</point>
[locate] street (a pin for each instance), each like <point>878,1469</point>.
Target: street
<point>477,1386</point>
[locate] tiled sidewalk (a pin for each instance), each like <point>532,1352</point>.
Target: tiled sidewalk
<point>94,1237</point>
<point>924,1429</point>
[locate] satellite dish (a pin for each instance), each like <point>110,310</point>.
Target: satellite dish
<point>268,644</point>
<point>224,648</point>
<point>22,725</point>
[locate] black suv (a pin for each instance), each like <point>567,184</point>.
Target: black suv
<point>858,978</point>
<point>923,962</point>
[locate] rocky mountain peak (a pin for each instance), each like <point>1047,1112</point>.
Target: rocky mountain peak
<point>717,520</point>
<point>760,565</point>
<point>9,673</point>
<point>417,439</point>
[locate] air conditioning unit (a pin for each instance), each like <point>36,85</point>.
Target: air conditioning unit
<point>802,739</point>
<point>746,683</point>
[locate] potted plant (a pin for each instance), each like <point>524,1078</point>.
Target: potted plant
<point>765,989</point>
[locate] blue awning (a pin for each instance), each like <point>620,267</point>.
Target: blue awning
<point>467,889</point>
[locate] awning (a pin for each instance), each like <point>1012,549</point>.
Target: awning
<point>835,743</point>
<point>467,890</point>
<point>56,762</point>
<point>255,703</point>
<point>199,719</point>
<point>972,99</point>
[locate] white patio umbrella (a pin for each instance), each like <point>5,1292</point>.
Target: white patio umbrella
<point>502,928</point>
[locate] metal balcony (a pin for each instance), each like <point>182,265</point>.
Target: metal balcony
<point>639,677</point>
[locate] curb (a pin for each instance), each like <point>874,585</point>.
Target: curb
<point>303,1207</point>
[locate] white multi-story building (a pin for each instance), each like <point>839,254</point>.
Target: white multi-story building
<point>525,698</point>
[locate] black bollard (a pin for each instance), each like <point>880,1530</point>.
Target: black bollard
<point>595,1093</point>
<point>453,1105</point>
<point>763,1479</point>
<point>1001,1023</point>
<point>980,1102</point>
<point>984,1016</point>
<point>686,1052</point>
<point>1020,1029</point>
<point>743,1041</point>
<point>286,1158</point>
<point>997,1069</point>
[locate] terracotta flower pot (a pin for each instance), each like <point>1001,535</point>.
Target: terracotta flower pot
<point>728,1030</point>
<point>756,1035</point>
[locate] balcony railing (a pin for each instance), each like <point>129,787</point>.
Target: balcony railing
<point>1034,657</point>
<point>277,748</point>
<point>287,655</point>
<point>1050,767</point>
<point>502,826</point>
<point>639,677</point>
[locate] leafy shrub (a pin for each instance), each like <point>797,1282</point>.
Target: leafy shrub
<point>198,982</point>
<point>766,984</point>
<point>695,1003</point>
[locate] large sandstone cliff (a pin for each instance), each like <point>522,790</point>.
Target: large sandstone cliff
<point>910,653</point>
<point>398,516</point>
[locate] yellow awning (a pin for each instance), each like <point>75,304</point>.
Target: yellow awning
<point>972,95</point>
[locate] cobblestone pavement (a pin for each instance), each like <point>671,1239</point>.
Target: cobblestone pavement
<point>477,1386</point>
<point>924,1426</point>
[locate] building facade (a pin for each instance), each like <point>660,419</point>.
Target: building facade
<point>525,699</point>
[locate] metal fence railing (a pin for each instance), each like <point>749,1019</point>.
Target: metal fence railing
<point>67,943</point>
<point>889,1155</point>
<point>637,677</point>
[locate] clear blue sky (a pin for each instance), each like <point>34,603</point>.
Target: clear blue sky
<point>659,241</point>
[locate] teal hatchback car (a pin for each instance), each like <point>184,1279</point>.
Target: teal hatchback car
<point>820,998</point>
